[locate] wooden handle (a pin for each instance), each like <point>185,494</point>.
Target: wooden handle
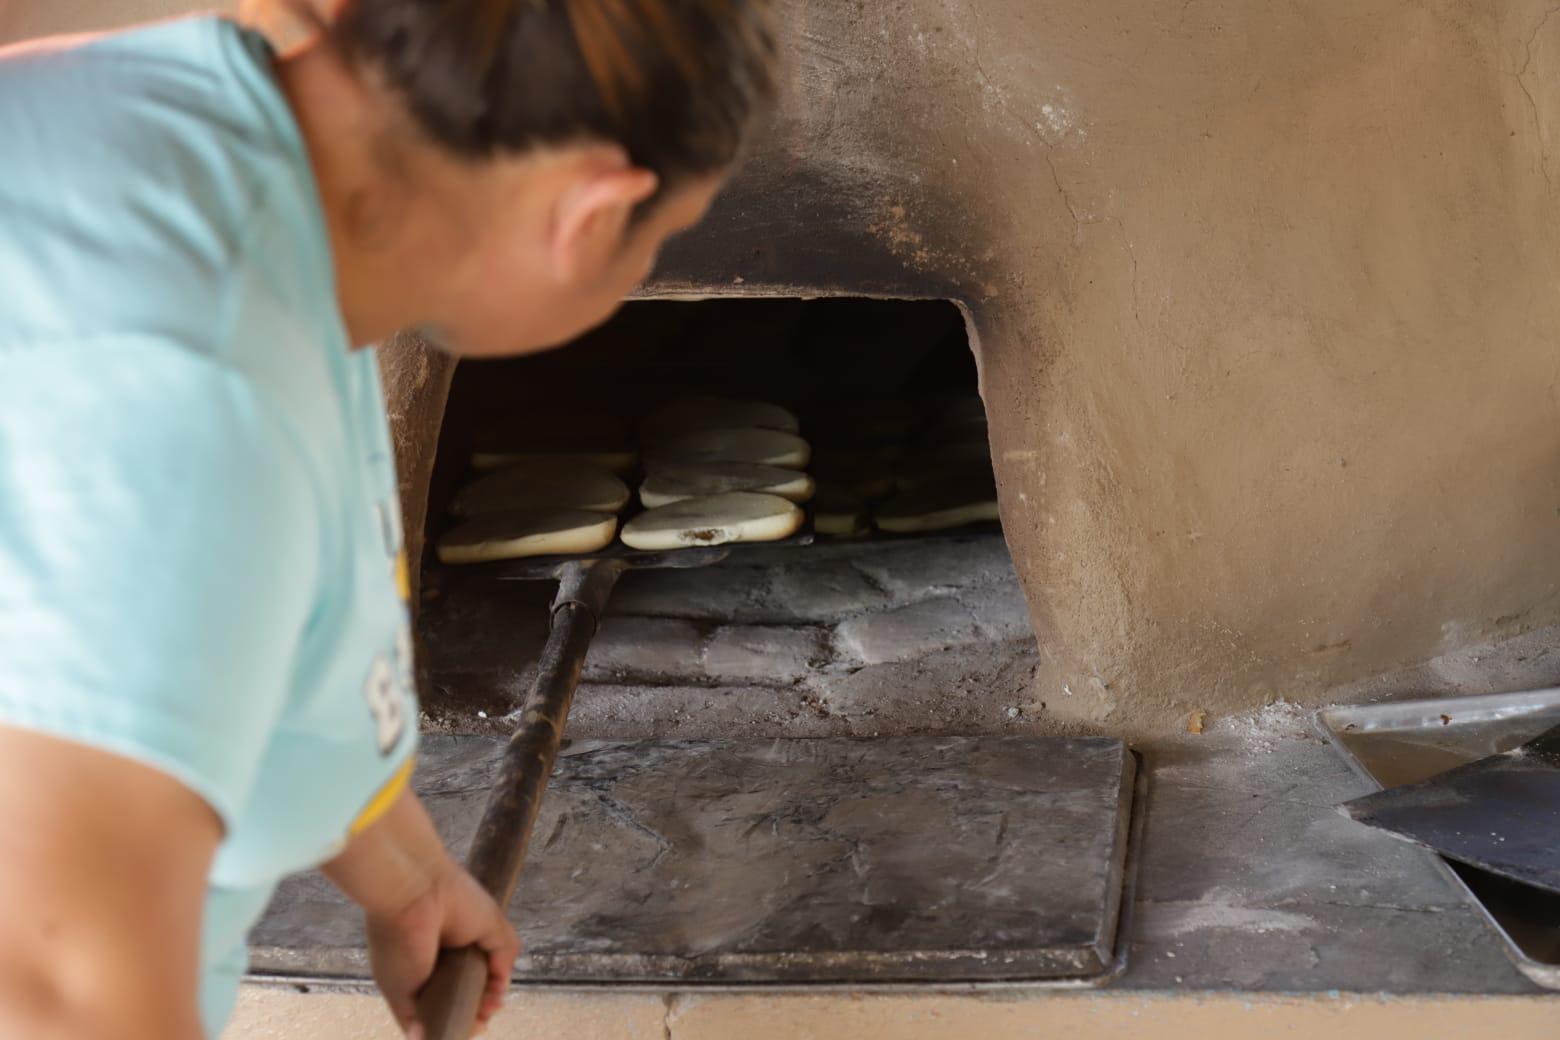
<point>448,1003</point>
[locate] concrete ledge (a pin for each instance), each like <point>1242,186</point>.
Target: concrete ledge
<point>283,1013</point>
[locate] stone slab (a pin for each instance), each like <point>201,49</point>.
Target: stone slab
<point>896,859</point>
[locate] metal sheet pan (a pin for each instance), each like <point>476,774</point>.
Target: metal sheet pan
<point>1405,741</point>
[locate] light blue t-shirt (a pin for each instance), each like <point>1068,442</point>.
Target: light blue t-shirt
<point>200,544</point>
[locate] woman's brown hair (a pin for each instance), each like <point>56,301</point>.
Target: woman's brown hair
<point>676,83</point>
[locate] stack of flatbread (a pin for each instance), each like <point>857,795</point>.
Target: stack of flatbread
<point>720,470</point>
<point>544,485</point>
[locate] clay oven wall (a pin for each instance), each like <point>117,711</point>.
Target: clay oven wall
<point>1265,298</point>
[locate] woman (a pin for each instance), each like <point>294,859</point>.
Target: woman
<point>204,666</point>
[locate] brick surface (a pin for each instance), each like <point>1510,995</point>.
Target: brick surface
<point>915,569</point>
<point>721,592</point>
<point>821,592</point>
<point>842,637</point>
<point>645,647</point>
<point>908,632</point>
<point>769,653</point>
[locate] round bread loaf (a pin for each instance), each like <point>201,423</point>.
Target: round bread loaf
<point>738,516</point>
<point>509,536</point>
<point>613,460</point>
<point>541,487</point>
<point>670,484</point>
<point>744,444</point>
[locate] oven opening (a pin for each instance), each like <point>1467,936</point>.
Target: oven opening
<point>889,605</point>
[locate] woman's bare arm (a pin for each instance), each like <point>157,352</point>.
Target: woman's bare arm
<point>416,899</point>
<point>103,865</point>
<point>392,861</point>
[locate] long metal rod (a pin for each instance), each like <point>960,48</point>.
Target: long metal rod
<point>447,1005</point>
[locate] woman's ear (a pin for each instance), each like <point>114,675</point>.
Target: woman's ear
<point>591,219</point>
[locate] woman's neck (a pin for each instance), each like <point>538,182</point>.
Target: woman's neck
<point>378,290</point>
<point>414,229</point>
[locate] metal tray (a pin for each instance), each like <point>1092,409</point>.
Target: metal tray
<point>1405,741</point>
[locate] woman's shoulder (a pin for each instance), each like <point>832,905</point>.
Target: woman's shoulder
<point>140,165</point>
<point>169,101</point>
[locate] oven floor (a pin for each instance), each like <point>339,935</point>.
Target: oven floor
<point>900,637</point>
<point>799,860</point>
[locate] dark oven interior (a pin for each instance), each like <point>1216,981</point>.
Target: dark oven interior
<point>874,632</point>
